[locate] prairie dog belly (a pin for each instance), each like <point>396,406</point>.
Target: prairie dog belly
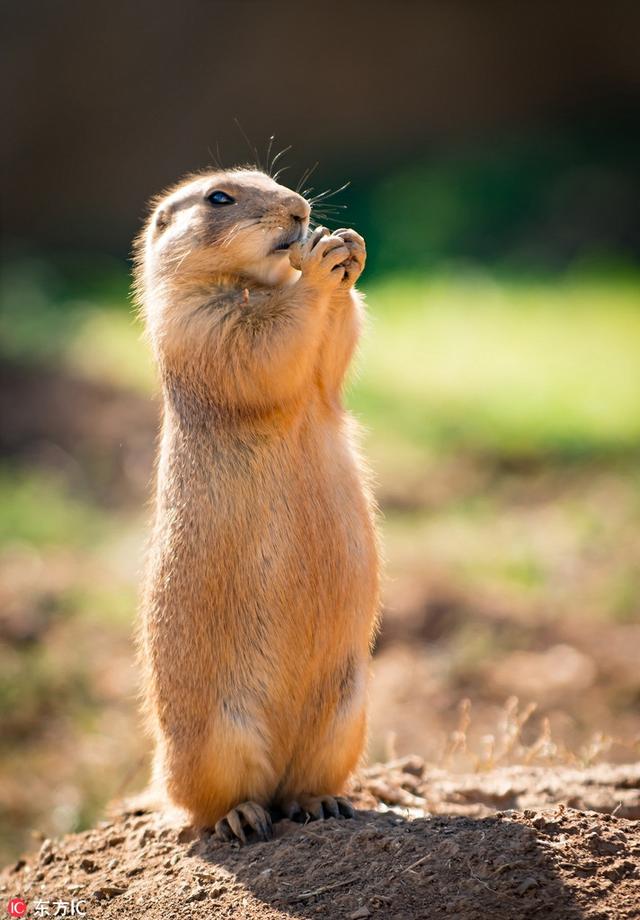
<point>277,555</point>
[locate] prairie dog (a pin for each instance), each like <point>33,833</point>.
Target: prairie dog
<point>261,591</point>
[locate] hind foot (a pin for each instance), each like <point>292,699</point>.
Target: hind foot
<point>247,816</point>
<point>318,807</point>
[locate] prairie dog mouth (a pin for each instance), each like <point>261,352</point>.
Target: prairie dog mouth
<point>289,240</point>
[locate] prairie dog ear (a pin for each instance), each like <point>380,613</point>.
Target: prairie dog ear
<point>162,219</point>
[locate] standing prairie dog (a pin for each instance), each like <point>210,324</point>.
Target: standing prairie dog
<point>261,591</point>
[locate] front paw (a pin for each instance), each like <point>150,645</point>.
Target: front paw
<point>321,258</point>
<point>354,265</point>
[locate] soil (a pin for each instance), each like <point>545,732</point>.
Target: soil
<point>425,844</point>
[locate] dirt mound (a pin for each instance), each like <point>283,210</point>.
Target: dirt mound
<point>393,861</point>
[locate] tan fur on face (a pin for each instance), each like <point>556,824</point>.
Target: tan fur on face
<point>260,599</point>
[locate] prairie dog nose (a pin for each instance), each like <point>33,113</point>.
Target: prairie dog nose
<point>299,208</point>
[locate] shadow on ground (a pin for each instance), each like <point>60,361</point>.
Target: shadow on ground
<point>555,863</point>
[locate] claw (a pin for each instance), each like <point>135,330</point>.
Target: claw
<point>318,807</point>
<point>330,807</point>
<point>257,818</point>
<point>345,807</point>
<point>247,814</point>
<point>236,825</point>
<point>313,807</point>
<point>293,811</point>
<point>223,831</point>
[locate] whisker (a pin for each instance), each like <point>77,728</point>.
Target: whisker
<point>278,155</point>
<point>252,148</point>
<point>279,172</point>
<point>229,237</point>
<point>323,220</point>
<point>181,260</point>
<point>306,176</point>
<point>269,164</point>
<point>212,157</point>
<point>331,207</point>
<point>329,193</point>
<point>337,215</point>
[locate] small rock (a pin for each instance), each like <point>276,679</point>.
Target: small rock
<point>205,876</point>
<point>113,863</point>
<point>198,895</point>
<point>360,914</point>
<point>116,840</point>
<point>88,865</point>
<point>144,836</point>
<point>18,865</point>
<point>108,891</point>
<point>526,884</point>
<point>46,852</point>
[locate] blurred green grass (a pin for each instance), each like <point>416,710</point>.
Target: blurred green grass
<point>503,368</point>
<point>461,361</point>
<point>38,510</point>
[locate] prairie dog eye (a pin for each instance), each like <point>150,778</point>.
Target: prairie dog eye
<point>218,199</point>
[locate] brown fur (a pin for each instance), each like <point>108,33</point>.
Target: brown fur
<point>261,591</point>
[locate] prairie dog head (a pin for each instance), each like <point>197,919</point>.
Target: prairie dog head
<point>237,222</point>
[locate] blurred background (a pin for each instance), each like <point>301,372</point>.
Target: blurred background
<point>493,151</point>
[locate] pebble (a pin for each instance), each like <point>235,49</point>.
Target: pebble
<point>526,884</point>
<point>108,891</point>
<point>360,914</point>
<point>145,835</point>
<point>46,852</point>
<point>198,895</point>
